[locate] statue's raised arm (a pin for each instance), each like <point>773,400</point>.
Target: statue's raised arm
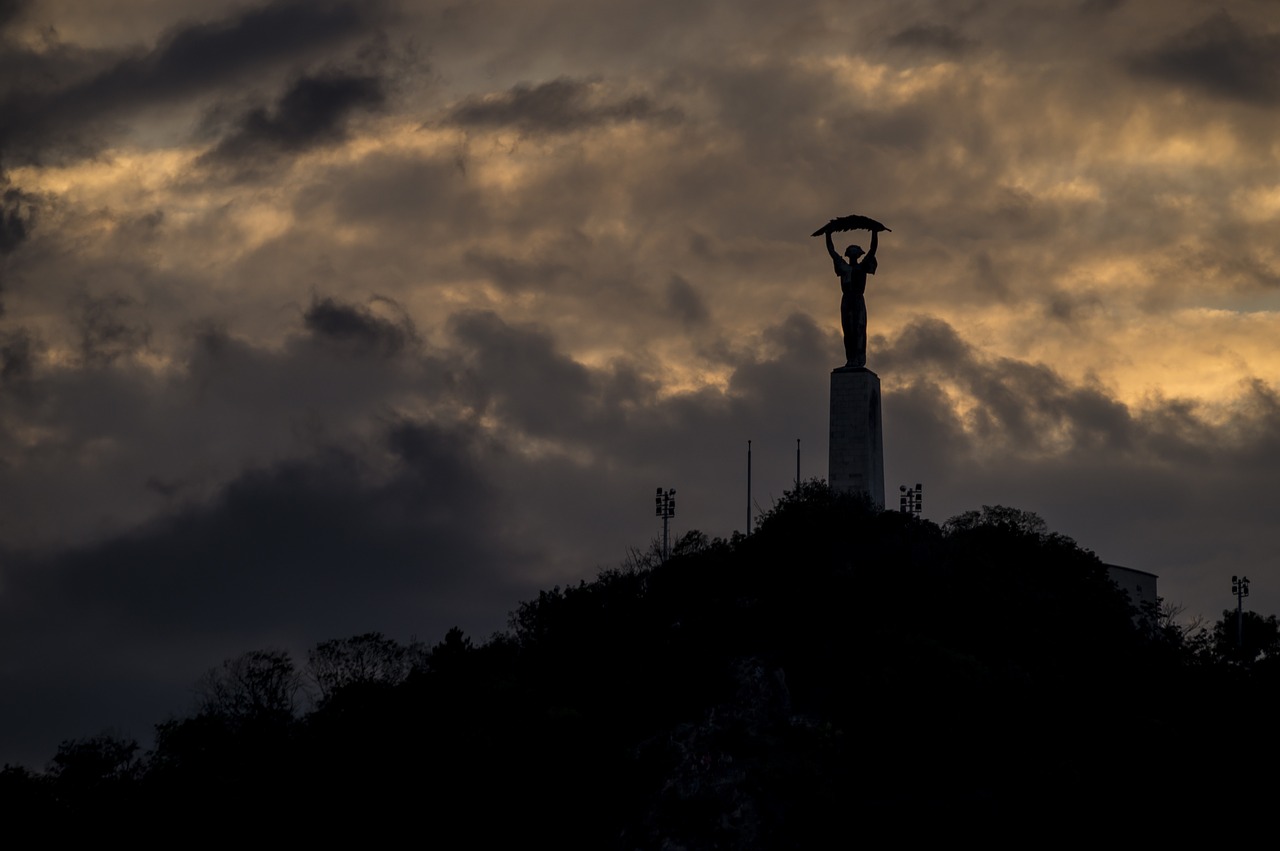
<point>831,249</point>
<point>869,262</point>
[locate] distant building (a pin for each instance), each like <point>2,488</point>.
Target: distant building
<point>1138,584</point>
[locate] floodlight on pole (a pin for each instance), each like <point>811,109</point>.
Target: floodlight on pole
<point>664,506</point>
<point>1240,587</point>
<point>911,500</point>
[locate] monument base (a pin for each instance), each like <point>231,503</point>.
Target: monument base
<point>856,455</point>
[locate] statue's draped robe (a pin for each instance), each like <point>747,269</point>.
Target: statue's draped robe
<point>853,307</point>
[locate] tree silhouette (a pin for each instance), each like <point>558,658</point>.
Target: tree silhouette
<point>364,660</point>
<point>95,775</point>
<point>260,684</point>
<point>1261,638</point>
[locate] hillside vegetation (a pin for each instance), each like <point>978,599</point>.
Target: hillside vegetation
<point>837,671</point>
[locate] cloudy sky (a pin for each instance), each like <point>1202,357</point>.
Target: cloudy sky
<point>322,317</point>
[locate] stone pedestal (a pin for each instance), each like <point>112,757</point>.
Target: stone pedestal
<point>856,459</point>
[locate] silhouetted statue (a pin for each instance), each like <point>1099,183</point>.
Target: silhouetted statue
<point>853,283</point>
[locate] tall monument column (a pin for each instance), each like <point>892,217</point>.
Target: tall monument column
<point>856,460</point>
<point>856,455</point>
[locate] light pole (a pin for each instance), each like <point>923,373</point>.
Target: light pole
<point>912,499</point>
<point>664,505</point>
<point>1240,587</point>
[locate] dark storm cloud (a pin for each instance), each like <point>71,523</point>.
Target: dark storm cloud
<point>315,111</point>
<point>109,421</point>
<point>111,328</point>
<point>513,274</point>
<point>17,213</point>
<point>405,197</point>
<point>1022,407</point>
<point>188,61</point>
<point>770,106</point>
<point>614,435</point>
<point>1071,307</point>
<point>976,425</point>
<point>165,489</point>
<point>278,541</point>
<point>797,345</point>
<point>927,343</point>
<point>1030,407</point>
<point>17,354</point>
<point>683,301</point>
<point>938,37</point>
<point>207,54</point>
<point>358,328</point>
<point>1100,7</point>
<point>518,373</point>
<point>1001,418</point>
<point>560,106</point>
<point>988,279</point>
<point>1219,57</point>
<point>1246,267</point>
<point>9,10</point>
